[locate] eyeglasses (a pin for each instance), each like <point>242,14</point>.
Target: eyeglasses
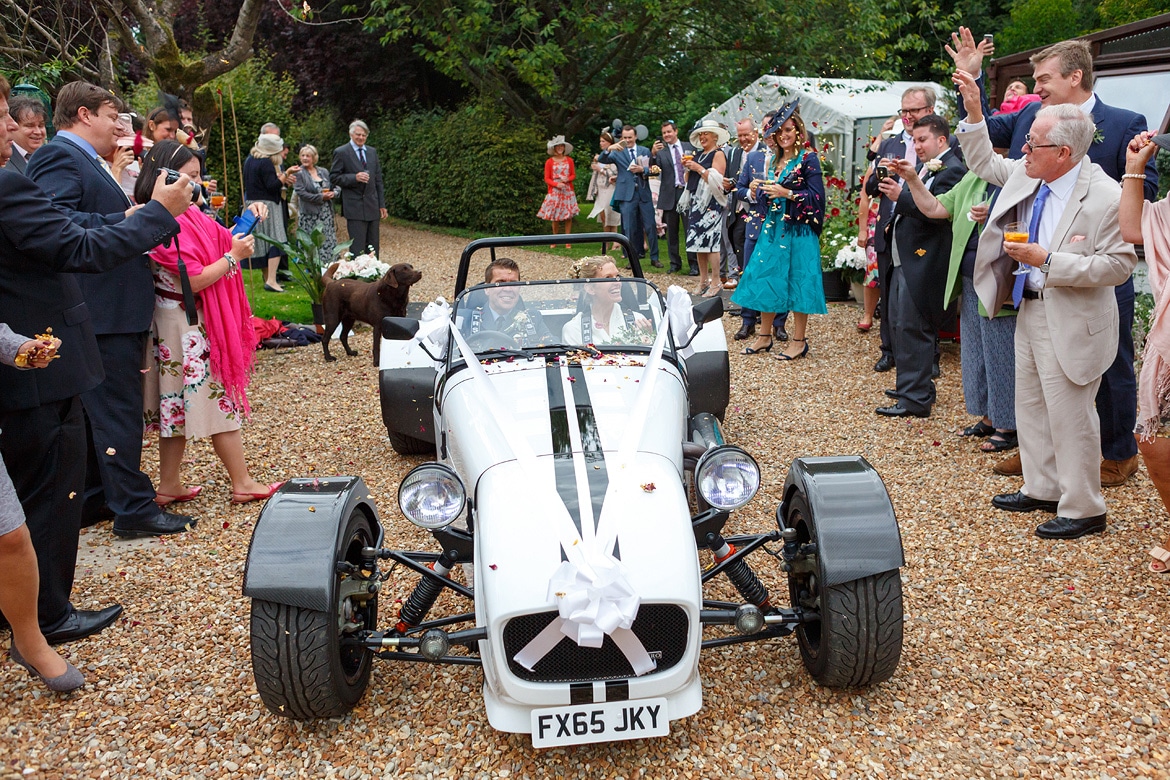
<point>1031,146</point>
<point>909,111</point>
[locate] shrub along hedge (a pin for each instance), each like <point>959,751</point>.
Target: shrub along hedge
<point>471,168</point>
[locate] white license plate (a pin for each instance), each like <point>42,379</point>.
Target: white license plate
<point>610,721</point>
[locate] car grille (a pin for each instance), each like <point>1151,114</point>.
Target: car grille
<point>662,628</point>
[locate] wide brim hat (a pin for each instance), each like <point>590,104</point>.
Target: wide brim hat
<point>783,115</point>
<point>559,140</point>
<point>710,126</point>
<point>268,144</point>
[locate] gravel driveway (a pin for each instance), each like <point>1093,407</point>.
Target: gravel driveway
<point>1022,657</point>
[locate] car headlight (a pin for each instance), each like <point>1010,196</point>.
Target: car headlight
<point>727,477</point>
<point>432,496</point>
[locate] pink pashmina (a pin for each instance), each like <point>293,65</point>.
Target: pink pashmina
<point>1154,384</point>
<point>227,317</point>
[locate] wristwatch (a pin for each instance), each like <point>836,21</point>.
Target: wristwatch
<point>1046,264</point>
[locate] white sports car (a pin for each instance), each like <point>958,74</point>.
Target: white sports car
<point>580,472</point>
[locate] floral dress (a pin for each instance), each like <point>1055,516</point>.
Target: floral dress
<point>559,205</point>
<point>182,397</point>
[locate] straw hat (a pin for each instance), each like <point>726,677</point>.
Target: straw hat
<point>559,140</point>
<point>710,126</point>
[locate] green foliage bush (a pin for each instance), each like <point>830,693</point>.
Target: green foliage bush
<point>471,168</point>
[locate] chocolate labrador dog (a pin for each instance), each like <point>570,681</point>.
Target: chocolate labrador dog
<point>348,300</point>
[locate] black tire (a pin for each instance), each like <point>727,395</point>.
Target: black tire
<point>858,640</point>
<point>408,445</point>
<point>301,669</point>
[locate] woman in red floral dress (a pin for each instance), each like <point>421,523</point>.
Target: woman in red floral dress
<point>560,204</point>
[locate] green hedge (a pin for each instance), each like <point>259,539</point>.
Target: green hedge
<point>471,168</point>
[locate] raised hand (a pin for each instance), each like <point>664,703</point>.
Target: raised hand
<point>967,55</point>
<point>965,83</point>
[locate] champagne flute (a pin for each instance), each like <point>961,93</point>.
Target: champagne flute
<point>1017,233</point>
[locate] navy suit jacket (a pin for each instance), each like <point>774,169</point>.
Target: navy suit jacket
<point>752,168</point>
<point>669,191</point>
<point>120,300</point>
<point>39,245</point>
<point>16,162</point>
<point>1115,126</point>
<point>359,201</point>
<point>630,186</point>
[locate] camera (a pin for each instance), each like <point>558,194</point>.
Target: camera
<point>173,176</point>
<point>882,172</point>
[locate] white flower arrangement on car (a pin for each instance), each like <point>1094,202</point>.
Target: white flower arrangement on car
<point>366,267</point>
<point>851,257</point>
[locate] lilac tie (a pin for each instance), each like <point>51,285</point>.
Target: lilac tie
<point>1033,230</point>
<point>679,171</point>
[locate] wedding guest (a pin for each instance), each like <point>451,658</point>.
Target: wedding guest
<point>668,156</point>
<point>731,254</point>
<point>264,183</point>
<point>704,202</point>
<point>1149,223</point>
<point>755,166</point>
<point>357,172</point>
<point>161,125</point>
<point>560,204</point>
<point>632,192</point>
<point>867,218</point>
<point>19,581</point>
<point>315,195</point>
<point>601,186</point>
<point>600,319</point>
<point>1015,97</point>
<point>920,250</point>
<point>197,383</point>
<point>30,116</point>
<point>784,270</point>
<point>1068,322</point>
<point>1063,74</point>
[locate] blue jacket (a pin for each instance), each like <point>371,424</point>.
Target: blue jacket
<point>630,186</point>
<point>752,168</point>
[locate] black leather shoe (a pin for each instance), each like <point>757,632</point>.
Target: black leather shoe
<point>746,331</point>
<point>693,272</point>
<point>781,334</point>
<point>165,523</point>
<point>885,363</point>
<point>82,623</point>
<point>897,410</point>
<point>935,371</point>
<point>890,393</point>
<point>1068,528</point>
<point>1021,502</point>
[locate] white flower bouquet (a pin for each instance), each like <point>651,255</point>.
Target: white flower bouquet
<point>366,267</point>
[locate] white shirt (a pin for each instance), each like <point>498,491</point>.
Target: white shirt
<point>1053,210</point>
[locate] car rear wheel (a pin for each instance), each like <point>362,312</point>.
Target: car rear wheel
<point>408,445</point>
<point>858,639</point>
<point>301,668</point>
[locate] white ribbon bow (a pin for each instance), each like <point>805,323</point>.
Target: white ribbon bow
<point>682,317</point>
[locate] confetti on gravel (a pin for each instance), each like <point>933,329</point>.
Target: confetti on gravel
<point>1022,657</point>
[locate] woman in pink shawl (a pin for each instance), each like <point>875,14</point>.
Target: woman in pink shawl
<point>1149,224</point>
<point>197,379</point>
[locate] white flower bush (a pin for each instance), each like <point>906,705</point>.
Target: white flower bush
<point>851,257</point>
<point>366,267</point>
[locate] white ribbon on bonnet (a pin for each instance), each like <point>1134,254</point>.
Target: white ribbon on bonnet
<point>591,589</point>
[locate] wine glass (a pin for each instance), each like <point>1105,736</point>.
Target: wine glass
<point>1017,233</point>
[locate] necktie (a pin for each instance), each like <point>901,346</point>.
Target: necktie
<point>679,171</point>
<point>1033,231</point>
<point>362,155</point>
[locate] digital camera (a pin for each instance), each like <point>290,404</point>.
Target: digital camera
<point>173,176</point>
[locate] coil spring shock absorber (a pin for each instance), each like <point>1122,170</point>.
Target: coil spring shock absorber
<point>740,574</point>
<point>415,610</point>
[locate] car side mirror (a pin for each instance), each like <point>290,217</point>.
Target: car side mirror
<point>707,311</point>
<point>399,328</point>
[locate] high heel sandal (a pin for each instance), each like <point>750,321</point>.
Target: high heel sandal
<point>1161,561</point>
<point>750,351</point>
<point>802,353</point>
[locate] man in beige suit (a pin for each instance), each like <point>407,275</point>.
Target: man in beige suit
<point>1066,332</point>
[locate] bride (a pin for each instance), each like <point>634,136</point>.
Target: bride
<point>602,319</point>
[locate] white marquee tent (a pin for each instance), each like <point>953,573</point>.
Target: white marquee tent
<point>845,112</point>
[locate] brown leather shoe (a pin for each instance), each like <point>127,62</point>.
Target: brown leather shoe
<point>1116,472</point>
<point>1012,467</point>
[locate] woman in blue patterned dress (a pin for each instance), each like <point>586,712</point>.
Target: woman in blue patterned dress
<point>784,271</point>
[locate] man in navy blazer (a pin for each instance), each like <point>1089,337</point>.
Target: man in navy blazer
<point>632,193</point>
<point>43,441</point>
<point>1064,74</point>
<point>358,172</point>
<point>121,302</point>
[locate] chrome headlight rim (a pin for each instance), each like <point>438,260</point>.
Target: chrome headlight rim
<point>437,474</point>
<point>717,457</point>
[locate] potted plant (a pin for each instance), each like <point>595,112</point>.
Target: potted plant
<point>308,262</point>
<point>838,235</point>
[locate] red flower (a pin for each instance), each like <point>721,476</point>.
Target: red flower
<point>835,212</point>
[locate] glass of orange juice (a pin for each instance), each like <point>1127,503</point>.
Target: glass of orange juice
<point>217,201</point>
<point>1015,233</point>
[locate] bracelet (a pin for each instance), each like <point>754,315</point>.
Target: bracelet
<point>1133,176</point>
<point>233,264</point>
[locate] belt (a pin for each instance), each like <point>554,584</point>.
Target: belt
<point>1033,295</point>
<point>174,296</point>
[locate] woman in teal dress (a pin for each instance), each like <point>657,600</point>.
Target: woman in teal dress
<point>784,271</point>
